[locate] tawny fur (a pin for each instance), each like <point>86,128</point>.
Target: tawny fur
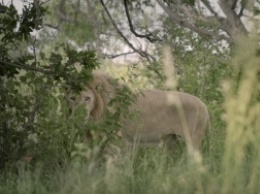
<point>161,113</point>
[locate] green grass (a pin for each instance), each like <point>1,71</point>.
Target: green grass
<point>146,171</point>
<point>230,156</point>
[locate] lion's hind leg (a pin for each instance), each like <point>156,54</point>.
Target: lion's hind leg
<point>172,144</point>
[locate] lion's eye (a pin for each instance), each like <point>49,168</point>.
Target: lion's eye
<point>87,98</point>
<point>72,98</point>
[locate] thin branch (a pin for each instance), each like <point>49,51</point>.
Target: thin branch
<point>51,26</point>
<point>147,36</point>
<point>38,21</point>
<point>182,22</point>
<point>210,8</point>
<point>141,53</point>
<point>118,55</point>
<point>26,67</point>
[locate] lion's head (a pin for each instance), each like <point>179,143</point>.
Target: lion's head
<point>94,97</point>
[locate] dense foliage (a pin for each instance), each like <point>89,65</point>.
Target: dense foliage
<point>43,150</point>
<point>32,87</point>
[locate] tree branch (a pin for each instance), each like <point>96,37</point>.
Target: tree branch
<point>210,8</point>
<point>51,26</point>
<point>38,19</point>
<point>141,53</point>
<point>234,24</point>
<point>26,67</point>
<point>147,36</point>
<point>182,22</point>
<point>118,55</point>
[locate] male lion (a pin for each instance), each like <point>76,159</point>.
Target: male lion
<point>162,114</point>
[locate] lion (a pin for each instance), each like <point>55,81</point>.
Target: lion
<point>161,114</point>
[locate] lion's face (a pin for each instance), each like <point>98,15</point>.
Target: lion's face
<point>85,98</point>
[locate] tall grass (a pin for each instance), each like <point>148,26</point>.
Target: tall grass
<point>229,166</point>
<point>242,106</point>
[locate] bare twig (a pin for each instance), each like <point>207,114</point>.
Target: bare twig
<point>51,26</point>
<point>37,24</point>
<point>147,36</point>
<point>118,55</point>
<point>210,8</point>
<point>141,53</point>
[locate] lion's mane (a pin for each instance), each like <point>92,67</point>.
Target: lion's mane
<point>104,88</point>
